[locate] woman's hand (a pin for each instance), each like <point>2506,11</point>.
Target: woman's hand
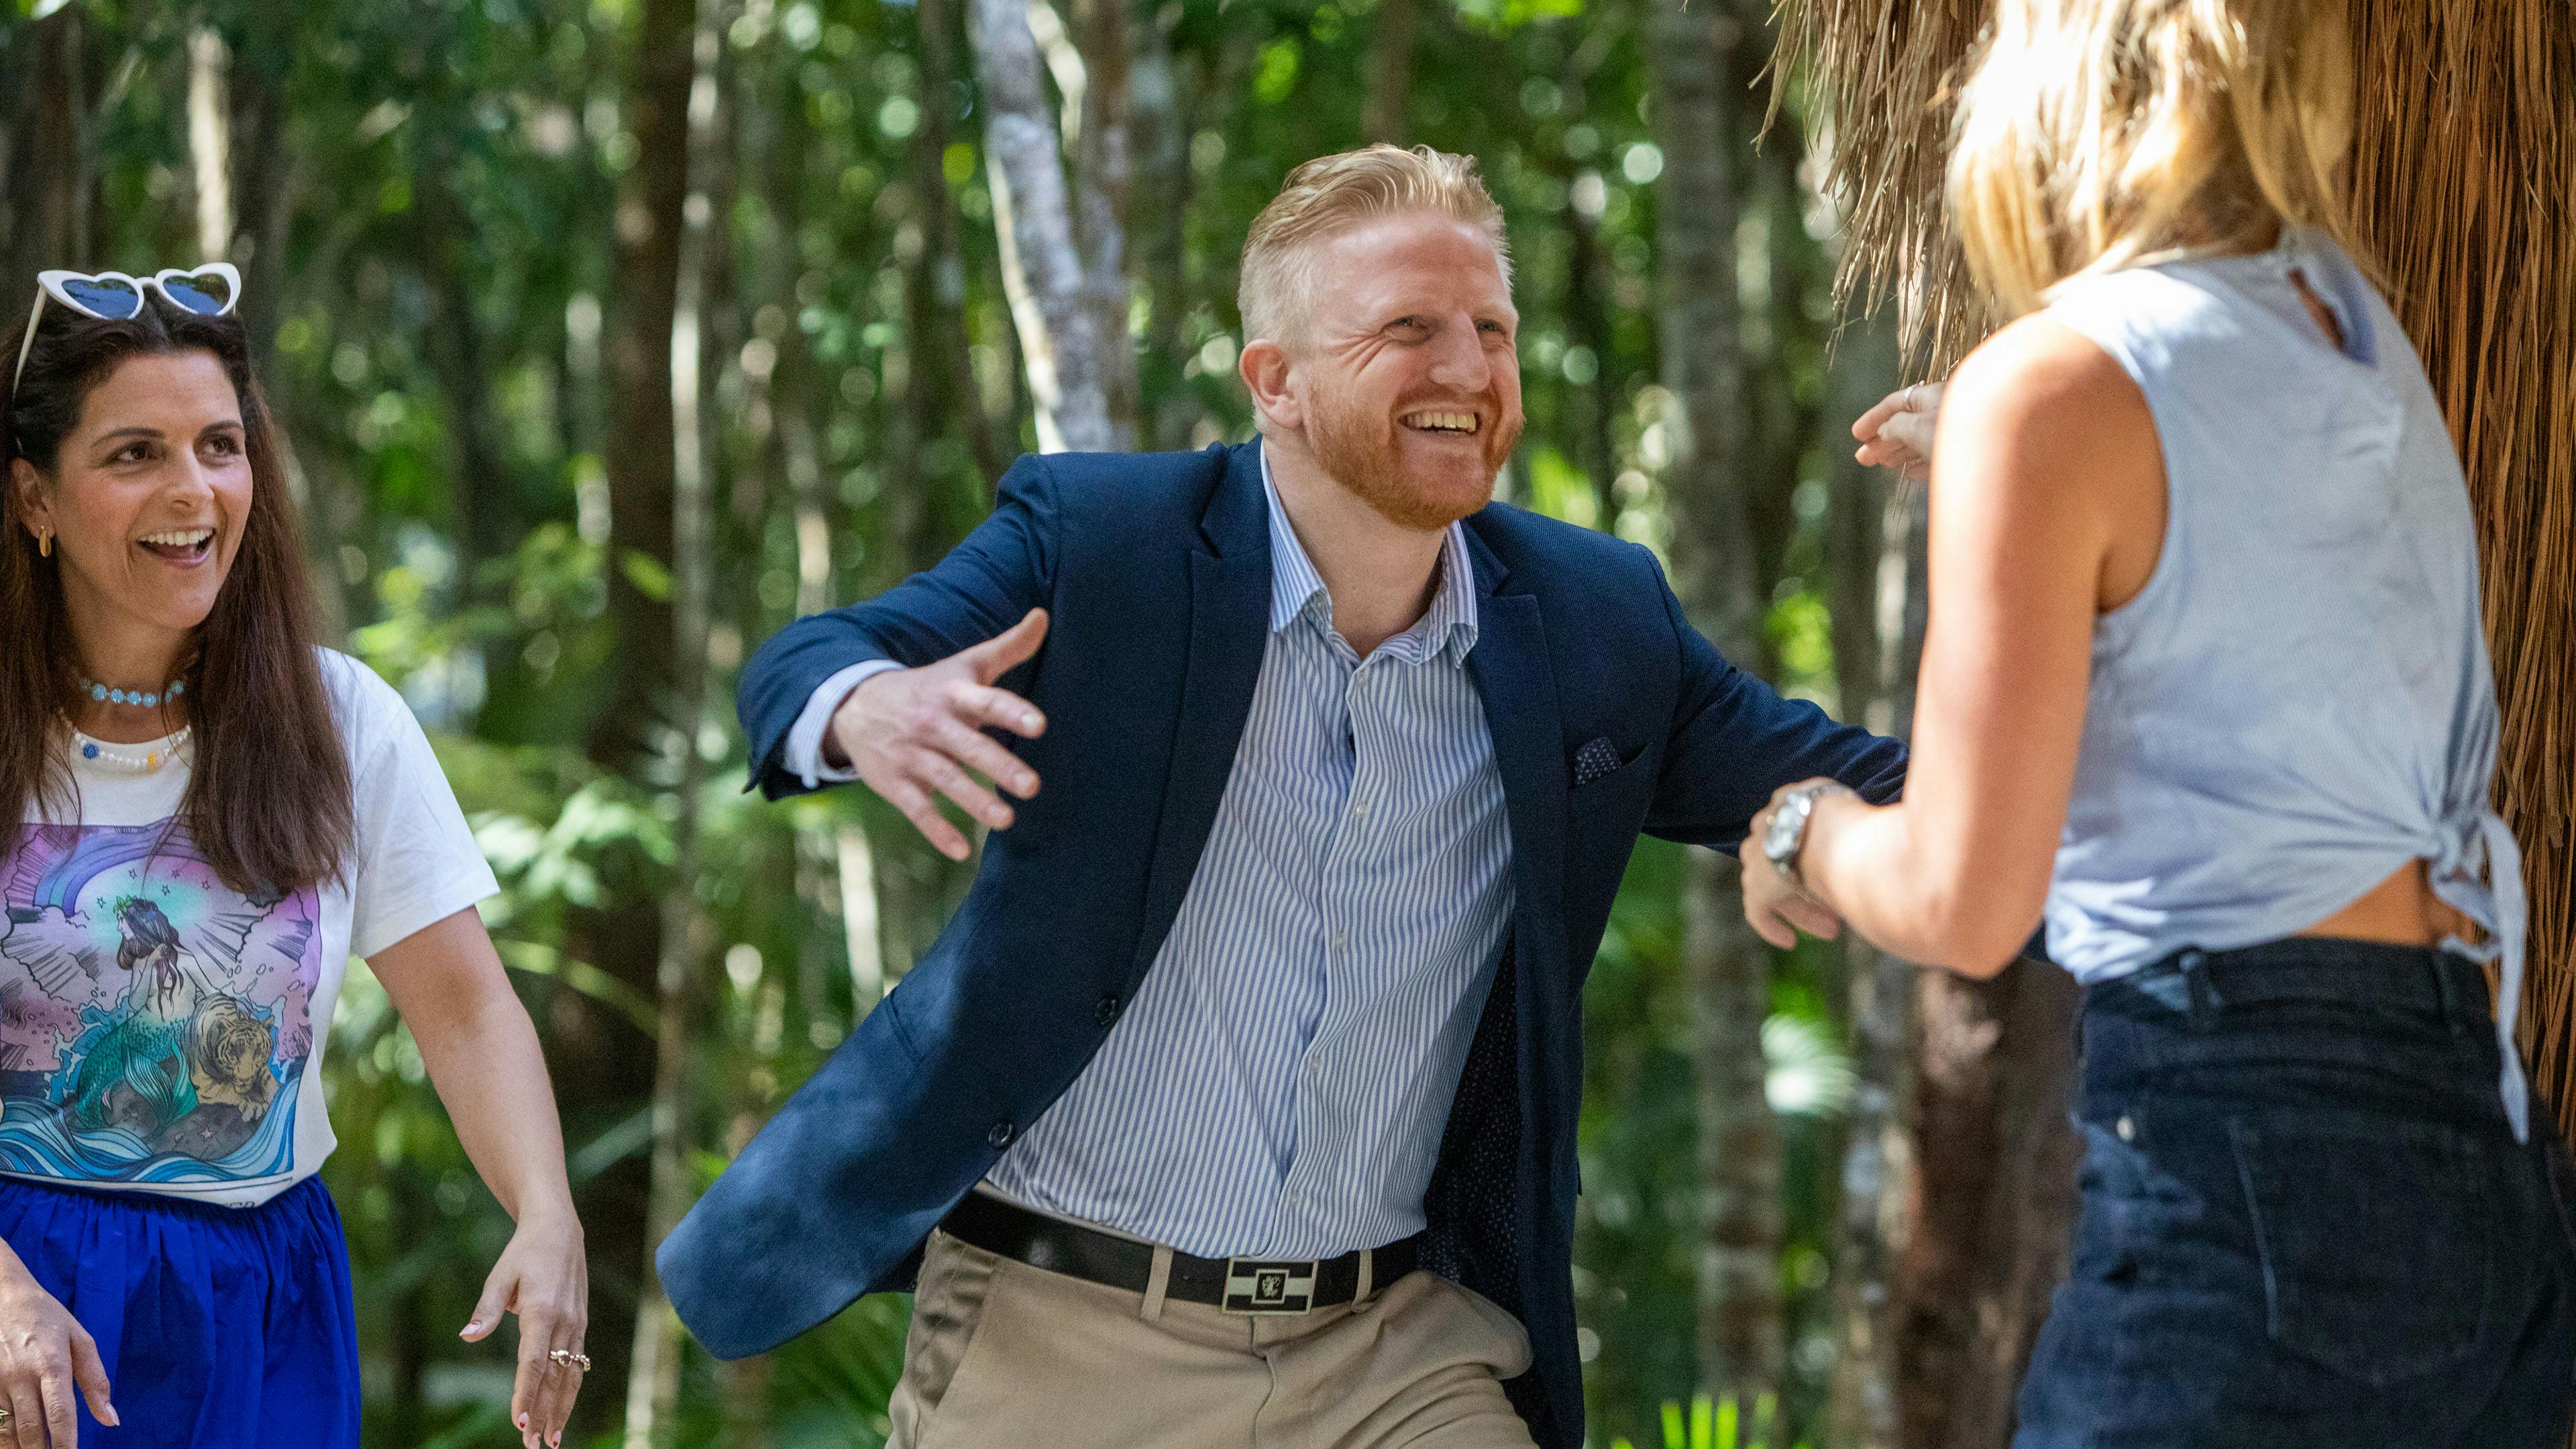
<point>44,1352</point>
<point>1898,432</point>
<point>1777,909</point>
<point>543,1278</point>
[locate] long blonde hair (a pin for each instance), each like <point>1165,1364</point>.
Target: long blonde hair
<point>2100,134</point>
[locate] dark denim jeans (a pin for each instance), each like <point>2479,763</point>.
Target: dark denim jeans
<point>2305,1221</point>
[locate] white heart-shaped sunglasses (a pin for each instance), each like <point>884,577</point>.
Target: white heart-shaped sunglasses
<point>207,291</point>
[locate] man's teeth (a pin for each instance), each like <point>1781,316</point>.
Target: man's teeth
<point>180,538</point>
<point>1443,422</point>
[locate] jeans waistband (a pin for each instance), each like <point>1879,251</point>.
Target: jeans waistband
<point>2198,984</point>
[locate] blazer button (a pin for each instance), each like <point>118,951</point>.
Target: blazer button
<point>1107,1011</point>
<point>1001,1134</point>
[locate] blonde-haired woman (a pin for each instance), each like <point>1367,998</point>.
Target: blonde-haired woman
<point>2205,687</point>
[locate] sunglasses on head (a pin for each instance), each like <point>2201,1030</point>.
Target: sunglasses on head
<point>207,291</point>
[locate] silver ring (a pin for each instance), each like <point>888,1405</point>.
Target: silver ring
<point>1914,397</point>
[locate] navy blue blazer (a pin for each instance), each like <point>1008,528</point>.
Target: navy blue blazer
<point>1156,571</point>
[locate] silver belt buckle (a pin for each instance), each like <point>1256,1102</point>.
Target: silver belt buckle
<point>1262,1286</point>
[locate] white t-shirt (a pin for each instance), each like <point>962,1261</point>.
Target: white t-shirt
<point>161,1032</point>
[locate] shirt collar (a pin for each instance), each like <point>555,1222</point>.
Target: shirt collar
<point>1448,626</point>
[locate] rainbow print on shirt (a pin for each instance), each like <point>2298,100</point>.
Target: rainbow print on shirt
<point>154,1023</point>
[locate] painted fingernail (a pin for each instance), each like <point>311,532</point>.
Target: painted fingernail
<point>471,1328</point>
<point>523,1423</point>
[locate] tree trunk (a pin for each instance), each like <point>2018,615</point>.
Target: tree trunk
<point>653,1382</point>
<point>485,495</point>
<point>1103,185</point>
<point>627,735</point>
<point>50,176</point>
<point>950,350</point>
<point>1158,221</point>
<point>210,142</point>
<point>1060,337</point>
<point>1874,556</point>
<point>1739,1315</point>
<point>1390,71</point>
<point>1993,1201</point>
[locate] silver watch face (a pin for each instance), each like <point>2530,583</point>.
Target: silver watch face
<point>1780,837</point>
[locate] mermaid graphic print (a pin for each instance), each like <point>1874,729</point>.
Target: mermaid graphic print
<point>155,1024</point>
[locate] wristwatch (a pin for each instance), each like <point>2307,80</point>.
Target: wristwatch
<point>1786,835</point>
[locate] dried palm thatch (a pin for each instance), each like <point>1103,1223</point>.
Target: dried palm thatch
<point>2464,172</point>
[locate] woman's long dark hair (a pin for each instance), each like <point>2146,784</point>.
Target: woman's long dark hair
<point>268,803</point>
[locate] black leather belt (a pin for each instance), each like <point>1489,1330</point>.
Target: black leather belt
<point>1236,1285</point>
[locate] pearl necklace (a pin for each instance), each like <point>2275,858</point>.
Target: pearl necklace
<point>142,762</point>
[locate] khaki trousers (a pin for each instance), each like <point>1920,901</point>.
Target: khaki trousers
<point>1006,1356</point>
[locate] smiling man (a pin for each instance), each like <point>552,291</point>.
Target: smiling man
<point>1237,1104</point>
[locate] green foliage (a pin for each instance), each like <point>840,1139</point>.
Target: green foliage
<point>431,246</point>
<point>1715,1424</point>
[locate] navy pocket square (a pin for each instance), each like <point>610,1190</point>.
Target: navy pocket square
<point>1595,760</point>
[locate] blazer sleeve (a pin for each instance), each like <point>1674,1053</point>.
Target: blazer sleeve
<point>1003,569</point>
<point>1735,740</point>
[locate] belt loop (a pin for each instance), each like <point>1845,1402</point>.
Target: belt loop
<point>1368,1270</point>
<point>2445,998</point>
<point>1158,1283</point>
<point>2200,993</point>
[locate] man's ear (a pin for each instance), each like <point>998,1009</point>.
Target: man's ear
<point>28,484</point>
<point>1265,367</point>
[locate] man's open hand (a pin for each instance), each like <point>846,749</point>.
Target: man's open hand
<point>912,734</point>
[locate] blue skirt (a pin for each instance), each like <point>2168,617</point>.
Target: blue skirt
<point>221,1328</point>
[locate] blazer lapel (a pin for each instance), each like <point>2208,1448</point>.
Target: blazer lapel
<point>1510,667</point>
<point>1229,630</point>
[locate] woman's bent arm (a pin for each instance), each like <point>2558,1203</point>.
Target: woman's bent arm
<point>2047,508</point>
<point>482,1055</point>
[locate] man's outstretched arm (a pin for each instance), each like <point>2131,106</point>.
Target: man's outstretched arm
<point>795,691</point>
<point>1735,740</point>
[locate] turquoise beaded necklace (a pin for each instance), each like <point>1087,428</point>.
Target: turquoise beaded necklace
<point>141,698</point>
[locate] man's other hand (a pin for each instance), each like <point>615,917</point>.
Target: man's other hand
<point>913,734</point>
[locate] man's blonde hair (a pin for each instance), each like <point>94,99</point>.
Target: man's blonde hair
<point>1331,195</point>
<point>2100,134</point>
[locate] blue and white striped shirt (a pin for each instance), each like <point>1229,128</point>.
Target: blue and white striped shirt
<point>1280,1084</point>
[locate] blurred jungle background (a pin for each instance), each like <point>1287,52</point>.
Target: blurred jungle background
<point>609,335</point>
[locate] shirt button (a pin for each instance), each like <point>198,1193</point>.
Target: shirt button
<point>1360,808</point>
<point>1340,938</point>
<point>1001,1134</point>
<point>2127,1129</point>
<point>1107,1010</point>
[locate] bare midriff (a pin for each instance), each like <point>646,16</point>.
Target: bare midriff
<point>2401,910</point>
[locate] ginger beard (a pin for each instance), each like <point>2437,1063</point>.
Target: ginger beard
<point>1419,481</point>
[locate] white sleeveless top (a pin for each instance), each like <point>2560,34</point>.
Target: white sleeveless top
<point>2299,702</point>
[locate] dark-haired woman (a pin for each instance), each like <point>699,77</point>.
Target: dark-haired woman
<point>210,815</point>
